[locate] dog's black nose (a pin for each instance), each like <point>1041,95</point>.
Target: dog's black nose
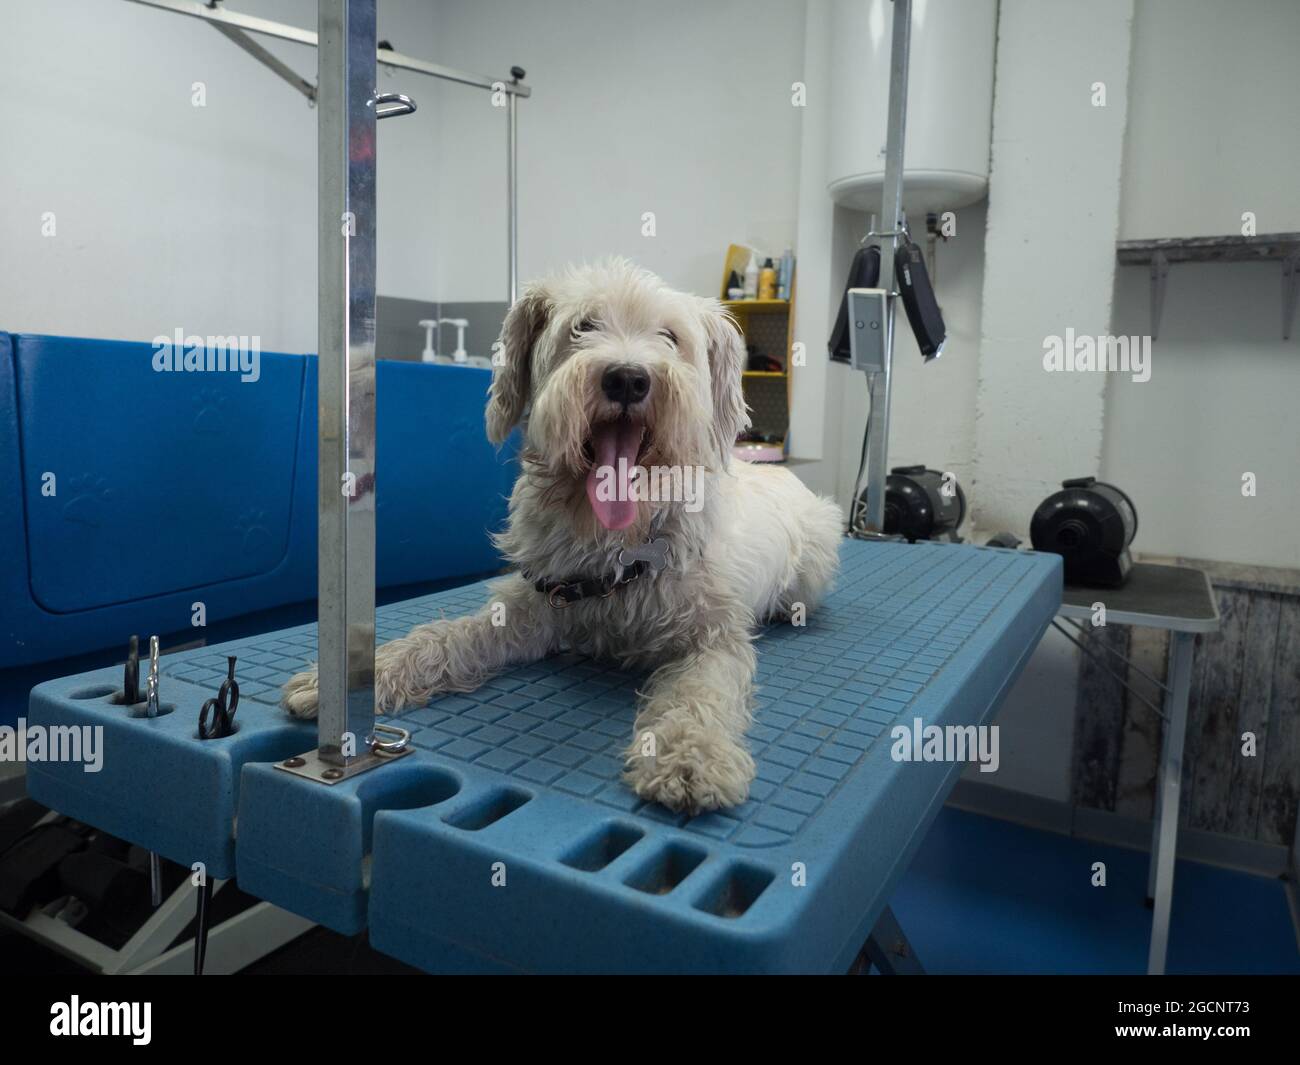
<point>625,384</point>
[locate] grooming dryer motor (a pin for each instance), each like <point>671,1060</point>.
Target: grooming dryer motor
<point>1090,524</point>
<point>922,504</point>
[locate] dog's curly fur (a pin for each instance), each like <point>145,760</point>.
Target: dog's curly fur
<point>759,545</point>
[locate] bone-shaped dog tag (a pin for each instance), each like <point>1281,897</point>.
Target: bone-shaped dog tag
<point>654,554</point>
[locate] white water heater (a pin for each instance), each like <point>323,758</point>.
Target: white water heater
<point>949,104</point>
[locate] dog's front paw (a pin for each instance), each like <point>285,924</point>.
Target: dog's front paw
<point>689,767</point>
<point>301,695</point>
<point>407,673</point>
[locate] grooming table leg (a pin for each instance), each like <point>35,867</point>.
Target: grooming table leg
<point>888,949</point>
<point>202,908</point>
<point>155,935</point>
<point>1158,813</point>
<point>1171,781</point>
<point>243,939</point>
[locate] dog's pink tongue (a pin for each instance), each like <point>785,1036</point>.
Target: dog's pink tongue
<point>608,477</point>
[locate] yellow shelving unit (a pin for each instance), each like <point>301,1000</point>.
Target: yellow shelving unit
<point>767,326</point>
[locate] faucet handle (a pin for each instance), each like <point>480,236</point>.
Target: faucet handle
<point>430,351</point>
<point>460,324</point>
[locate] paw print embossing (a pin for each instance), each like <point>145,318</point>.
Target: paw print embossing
<point>255,536</point>
<point>210,411</point>
<point>88,496</point>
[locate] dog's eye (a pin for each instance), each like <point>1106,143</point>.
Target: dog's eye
<point>669,336</point>
<point>587,325</point>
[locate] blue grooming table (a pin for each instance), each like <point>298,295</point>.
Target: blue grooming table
<point>508,842</point>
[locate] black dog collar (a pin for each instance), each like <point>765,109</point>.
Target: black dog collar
<point>565,593</point>
<point>635,561</point>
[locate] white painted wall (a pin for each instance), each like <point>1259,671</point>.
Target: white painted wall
<point>173,215</point>
<point>1203,146</point>
<point>1050,251</point>
<point>169,214</point>
<point>1213,125</point>
<point>677,107</point>
<point>1221,402</point>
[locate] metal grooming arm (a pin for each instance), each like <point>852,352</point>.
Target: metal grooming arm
<point>237,26</point>
<point>267,59</point>
<point>253,24</point>
<point>878,379</point>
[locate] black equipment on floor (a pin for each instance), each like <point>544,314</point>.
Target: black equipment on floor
<point>921,505</point>
<point>1090,524</point>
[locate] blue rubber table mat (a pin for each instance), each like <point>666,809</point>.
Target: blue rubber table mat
<point>507,841</point>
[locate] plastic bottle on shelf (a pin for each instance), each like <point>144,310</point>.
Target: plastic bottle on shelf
<point>751,278</point>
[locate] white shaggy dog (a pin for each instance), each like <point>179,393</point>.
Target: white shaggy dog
<point>610,370</point>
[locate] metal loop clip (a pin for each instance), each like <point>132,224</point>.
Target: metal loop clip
<point>381,747</point>
<point>392,105</point>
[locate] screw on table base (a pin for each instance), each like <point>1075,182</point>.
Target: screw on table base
<point>888,950</point>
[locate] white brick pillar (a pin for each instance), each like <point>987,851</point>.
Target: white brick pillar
<point>1053,221</point>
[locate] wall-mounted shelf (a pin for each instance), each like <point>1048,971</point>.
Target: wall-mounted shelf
<point>756,305</point>
<point>1267,247</point>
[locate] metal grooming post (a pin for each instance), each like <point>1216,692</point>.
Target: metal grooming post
<point>891,216</point>
<point>346,399</point>
<point>350,106</point>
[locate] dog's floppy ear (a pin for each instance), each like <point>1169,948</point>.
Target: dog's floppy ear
<point>512,364</point>
<point>726,363</point>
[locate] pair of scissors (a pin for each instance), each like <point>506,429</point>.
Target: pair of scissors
<point>222,708</point>
<point>131,673</point>
<point>131,678</point>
